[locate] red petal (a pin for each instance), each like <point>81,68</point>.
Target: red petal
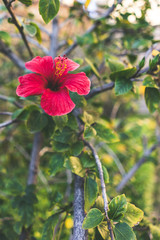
<point>57,103</point>
<point>78,82</point>
<point>67,64</point>
<point>31,84</point>
<point>43,66</point>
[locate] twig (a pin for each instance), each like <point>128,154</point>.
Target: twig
<point>95,91</point>
<point>12,56</point>
<point>34,163</point>
<point>133,170</point>
<point>54,38</point>
<point>103,187</point>
<point>6,113</point>
<point>92,28</point>
<point>7,123</point>
<point>32,41</point>
<point>6,98</point>
<point>20,28</point>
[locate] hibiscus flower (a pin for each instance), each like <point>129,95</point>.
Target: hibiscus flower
<point>52,80</point>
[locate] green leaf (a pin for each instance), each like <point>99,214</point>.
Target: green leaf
<point>117,208</point>
<point>48,9</point>
<point>49,227</point>
<point>76,166</point>
<point>90,193</point>
<point>100,203</point>
<point>105,133</point>
<point>31,30</point>
<point>133,215</point>
<point>50,127</point>
<point>56,163</point>
<point>93,67</point>
<point>60,121</point>
<point>122,86</point>
<point>65,136</point>
<point>36,121</point>
<point>142,63</point>
<point>89,132</point>
<point>72,122</point>
<point>5,37</point>
<point>77,148</point>
<point>60,147</point>
<point>23,114</point>
<point>153,63</point>
<point>78,99</point>
<point>38,32</point>
<point>105,174</point>
<point>123,231</point>
<point>103,229</point>
<point>152,98</point>
<point>87,160</point>
<point>26,2</point>
<point>93,218</point>
<point>149,82</point>
<point>126,73</point>
<point>115,65</point>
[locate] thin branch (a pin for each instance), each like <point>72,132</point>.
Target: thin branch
<point>32,41</point>
<point>93,27</point>
<point>20,28</point>
<point>133,170</point>
<point>12,56</point>
<point>54,38</point>
<point>6,113</point>
<point>7,123</point>
<point>34,163</point>
<point>103,187</point>
<point>6,98</point>
<point>95,91</point>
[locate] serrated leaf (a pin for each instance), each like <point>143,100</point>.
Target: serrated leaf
<point>56,163</point>
<point>36,121</point>
<point>50,127</point>
<point>103,229</point>
<point>93,67</point>
<point>77,148</point>
<point>5,37</point>
<point>49,227</point>
<point>90,193</point>
<point>93,218</point>
<point>149,82</point>
<point>133,215</point>
<point>61,121</point>
<point>76,166</point>
<point>60,147</point>
<point>115,65</point>
<point>65,136</point>
<point>89,132</point>
<point>26,2</point>
<point>123,231</point>
<point>48,9</point>
<point>87,160</point>
<point>122,86</point>
<point>152,98</point>
<point>105,133</point>
<point>78,99</point>
<point>72,122</point>
<point>117,208</point>
<point>123,74</point>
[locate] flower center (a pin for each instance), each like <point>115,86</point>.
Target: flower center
<point>60,66</point>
